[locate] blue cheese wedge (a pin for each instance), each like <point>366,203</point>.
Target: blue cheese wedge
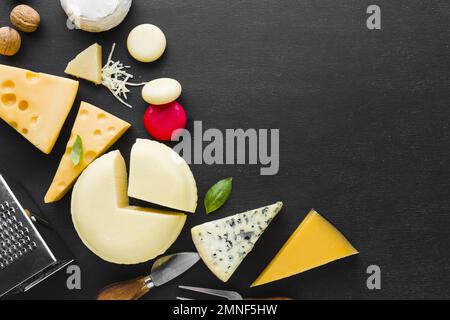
<point>223,244</point>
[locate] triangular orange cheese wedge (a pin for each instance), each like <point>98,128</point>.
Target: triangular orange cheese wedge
<point>316,242</point>
<point>98,130</point>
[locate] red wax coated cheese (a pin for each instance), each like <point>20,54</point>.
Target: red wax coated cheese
<point>162,121</point>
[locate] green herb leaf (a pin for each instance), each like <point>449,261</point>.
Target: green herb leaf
<point>218,195</point>
<point>77,151</point>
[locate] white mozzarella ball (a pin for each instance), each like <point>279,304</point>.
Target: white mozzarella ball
<point>146,43</point>
<point>161,91</point>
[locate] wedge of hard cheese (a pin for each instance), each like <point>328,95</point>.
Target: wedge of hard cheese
<point>315,242</point>
<point>108,226</point>
<point>160,176</point>
<point>223,244</point>
<point>87,65</point>
<point>98,130</point>
<point>35,104</point>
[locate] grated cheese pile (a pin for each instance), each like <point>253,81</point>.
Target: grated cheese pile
<point>116,78</point>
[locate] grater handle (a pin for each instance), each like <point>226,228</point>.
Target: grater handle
<point>126,290</point>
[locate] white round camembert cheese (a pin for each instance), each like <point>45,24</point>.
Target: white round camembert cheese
<point>108,226</point>
<point>96,15</point>
<point>161,91</point>
<point>146,43</point>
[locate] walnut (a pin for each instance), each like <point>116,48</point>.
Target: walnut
<point>10,41</point>
<point>25,18</point>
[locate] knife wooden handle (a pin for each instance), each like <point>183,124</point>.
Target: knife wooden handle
<point>126,290</point>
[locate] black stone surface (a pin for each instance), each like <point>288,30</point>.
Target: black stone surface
<point>364,122</point>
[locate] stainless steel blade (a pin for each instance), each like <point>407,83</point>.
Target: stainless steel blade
<point>169,267</point>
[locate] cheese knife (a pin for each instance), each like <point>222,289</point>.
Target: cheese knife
<point>163,270</point>
<point>229,295</point>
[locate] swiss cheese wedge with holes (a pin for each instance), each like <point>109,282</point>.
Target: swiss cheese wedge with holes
<point>108,226</point>
<point>98,131</point>
<point>35,104</point>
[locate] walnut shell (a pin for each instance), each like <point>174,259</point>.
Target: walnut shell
<point>10,41</point>
<point>25,18</point>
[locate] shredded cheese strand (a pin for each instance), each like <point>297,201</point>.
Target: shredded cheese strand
<point>116,79</point>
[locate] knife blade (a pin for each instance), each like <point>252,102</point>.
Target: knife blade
<point>169,267</point>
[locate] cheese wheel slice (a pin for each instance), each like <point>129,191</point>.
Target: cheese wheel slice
<point>35,104</point>
<point>160,176</point>
<point>108,226</point>
<point>316,242</point>
<point>98,130</point>
<point>223,244</point>
<point>87,65</point>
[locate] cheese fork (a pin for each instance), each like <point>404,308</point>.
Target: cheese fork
<point>229,295</point>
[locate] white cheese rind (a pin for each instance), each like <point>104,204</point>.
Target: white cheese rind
<point>223,244</point>
<point>108,226</point>
<point>96,15</point>
<point>159,175</point>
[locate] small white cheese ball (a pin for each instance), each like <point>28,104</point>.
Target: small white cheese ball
<point>146,43</point>
<point>161,91</point>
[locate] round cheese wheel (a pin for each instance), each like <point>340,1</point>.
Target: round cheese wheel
<point>146,43</point>
<point>161,91</point>
<point>109,226</point>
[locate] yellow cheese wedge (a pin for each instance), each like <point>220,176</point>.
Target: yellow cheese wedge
<point>35,104</point>
<point>160,176</point>
<point>87,65</point>
<point>108,226</point>
<point>98,130</point>
<point>315,242</point>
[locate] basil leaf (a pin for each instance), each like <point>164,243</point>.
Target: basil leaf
<point>77,151</point>
<point>218,195</point>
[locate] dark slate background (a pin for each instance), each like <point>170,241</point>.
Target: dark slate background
<point>364,120</point>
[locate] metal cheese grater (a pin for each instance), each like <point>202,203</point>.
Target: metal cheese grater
<point>26,258</point>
